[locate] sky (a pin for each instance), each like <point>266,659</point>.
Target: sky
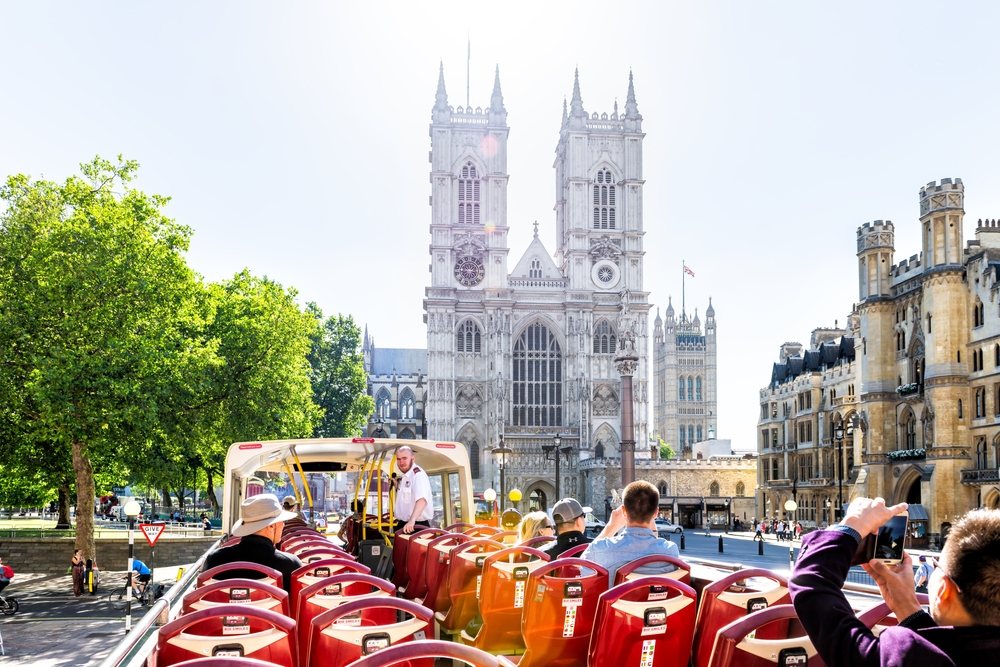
<point>292,137</point>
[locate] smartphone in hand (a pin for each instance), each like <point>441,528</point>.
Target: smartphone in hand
<point>886,545</point>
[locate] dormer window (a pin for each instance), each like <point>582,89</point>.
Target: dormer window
<point>604,201</point>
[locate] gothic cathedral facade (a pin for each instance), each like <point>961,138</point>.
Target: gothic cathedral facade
<point>528,353</point>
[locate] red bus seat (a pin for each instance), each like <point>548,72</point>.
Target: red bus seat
<point>334,591</point>
<point>558,619</point>
<point>482,531</point>
<point>416,558</point>
<point>250,592</point>
<point>302,534</point>
<point>537,542</point>
<point>298,546</point>
<point>574,552</point>
<point>681,571</point>
<point>307,575</point>
<point>235,630</point>
<point>436,569</point>
<point>459,527</point>
<point>726,600</point>
<point>224,662</point>
<point>340,636</point>
<point>879,617</point>
<point>502,597</point>
<point>465,574</point>
<point>315,553</point>
<point>647,621</point>
<point>786,642</point>
<point>411,651</point>
<point>240,569</point>
<point>400,547</point>
<point>505,536</point>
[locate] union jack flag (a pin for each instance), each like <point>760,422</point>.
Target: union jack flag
<point>688,271</point>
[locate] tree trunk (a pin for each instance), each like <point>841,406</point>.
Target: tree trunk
<point>84,501</point>
<point>63,503</point>
<point>210,489</point>
<point>167,504</point>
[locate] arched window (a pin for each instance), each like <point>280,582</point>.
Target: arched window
<point>713,490</point>
<point>683,438</point>
<point>690,389</point>
<point>383,407</point>
<point>605,341</point>
<point>537,378</point>
<point>691,439</point>
<point>909,431</point>
<point>662,488</point>
<point>977,313</point>
<point>981,453</point>
<point>474,459</point>
<point>741,489</point>
<point>599,451</point>
<point>536,269</point>
<point>604,201</point>
<point>406,405</point>
<point>699,434</point>
<point>469,338</point>
<point>697,389</point>
<point>407,434</point>
<point>468,195</point>
<point>680,389</point>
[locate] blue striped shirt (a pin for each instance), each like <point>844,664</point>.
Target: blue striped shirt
<point>631,544</point>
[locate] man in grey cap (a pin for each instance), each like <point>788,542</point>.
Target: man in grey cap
<point>571,520</point>
<point>291,504</point>
<point>260,530</point>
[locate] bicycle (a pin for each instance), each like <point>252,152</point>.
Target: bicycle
<point>8,606</point>
<point>146,597</point>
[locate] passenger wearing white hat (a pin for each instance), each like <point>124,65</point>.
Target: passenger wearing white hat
<point>259,530</point>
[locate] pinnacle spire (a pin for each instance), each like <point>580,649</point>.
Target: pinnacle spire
<point>631,108</point>
<point>576,106</point>
<point>496,101</point>
<point>441,99</point>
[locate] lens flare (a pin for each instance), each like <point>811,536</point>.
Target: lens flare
<point>488,145</point>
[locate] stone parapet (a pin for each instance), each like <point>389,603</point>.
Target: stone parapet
<point>52,555</point>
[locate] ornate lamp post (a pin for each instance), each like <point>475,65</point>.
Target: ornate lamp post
<point>558,450</point>
<point>500,452</point>
<point>838,434</point>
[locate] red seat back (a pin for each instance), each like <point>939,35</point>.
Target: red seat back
<point>573,552</point>
<point>224,662</point>
<point>647,621</point>
<point>400,548</point>
<point>250,592</point>
<point>327,567</point>
<point>681,571</point>
<point>558,619</point>
<point>464,582</point>
<point>727,600</point>
<point>314,553</point>
<point>482,531</point>
<point>502,596</point>
<point>298,545</point>
<point>416,557</point>
<point>240,570</point>
<point>505,536</point>
<point>405,653</point>
<point>459,527</point>
<point>733,648</point>
<point>538,542</point>
<point>234,630</point>
<point>334,591</point>
<point>436,569</point>
<point>879,617</point>
<point>340,636</point>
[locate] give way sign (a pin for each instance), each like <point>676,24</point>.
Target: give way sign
<point>152,531</point>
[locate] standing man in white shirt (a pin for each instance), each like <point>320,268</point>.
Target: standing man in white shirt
<point>414,505</point>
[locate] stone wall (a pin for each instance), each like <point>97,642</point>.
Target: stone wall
<point>53,555</point>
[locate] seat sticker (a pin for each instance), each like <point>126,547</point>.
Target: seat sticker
<point>519,594</point>
<point>332,590</point>
<point>654,621</point>
<point>228,651</point>
<point>569,623</point>
<point>658,593</point>
<point>793,657</point>
<point>540,593</point>
<point>377,550</point>
<point>235,625</point>
<point>648,648</point>
<point>419,635</point>
<point>375,642</point>
<point>479,584</point>
<point>321,572</point>
<point>239,596</point>
<point>756,604</point>
<point>350,619</point>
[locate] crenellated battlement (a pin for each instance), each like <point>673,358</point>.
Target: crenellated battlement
<point>949,194</point>
<point>878,234</point>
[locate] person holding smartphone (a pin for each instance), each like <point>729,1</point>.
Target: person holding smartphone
<point>963,626</point>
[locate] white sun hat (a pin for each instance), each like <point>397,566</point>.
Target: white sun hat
<point>258,512</point>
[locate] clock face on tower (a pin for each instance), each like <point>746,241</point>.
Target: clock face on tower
<point>469,270</point>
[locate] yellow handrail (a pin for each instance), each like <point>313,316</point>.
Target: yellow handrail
<point>305,484</point>
<point>291,478</point>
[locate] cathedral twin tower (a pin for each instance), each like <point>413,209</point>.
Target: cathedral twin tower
<point>528,353</point>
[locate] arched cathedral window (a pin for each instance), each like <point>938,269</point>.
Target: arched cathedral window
<point>469,338</point>
<point>662,488</point>
<point>713,490</point>
<point>537,378</point>
<point>468,195</point>
<point>604,201</point>
<point>383,405</point>
<point>536,269</point>
<point>691,439</point>
<point>690,389</point>
<point>697,389</point>
<point>683,438</point>
<point>474,459</point>
<point>406,405</point>
<point>700,438</point>
<point>605,341</point>
<point>741,489</point>
<point>680,388</point>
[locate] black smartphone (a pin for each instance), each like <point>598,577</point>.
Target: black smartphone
<point>886,545</point>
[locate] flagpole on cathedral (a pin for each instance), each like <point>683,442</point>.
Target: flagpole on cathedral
<point>683,267</point>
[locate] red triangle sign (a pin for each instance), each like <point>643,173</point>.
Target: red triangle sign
<point>152,531</point>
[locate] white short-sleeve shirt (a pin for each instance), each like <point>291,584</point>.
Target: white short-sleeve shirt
<point>412,486</point>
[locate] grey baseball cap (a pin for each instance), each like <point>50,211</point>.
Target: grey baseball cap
<point>567,510</point>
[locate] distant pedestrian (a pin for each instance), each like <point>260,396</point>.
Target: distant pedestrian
<point>923,574</point>
<point>76,567</point>
<point>798,530</point>
<point>759,535</point>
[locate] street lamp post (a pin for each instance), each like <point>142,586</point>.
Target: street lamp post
<point>727,515</point>
<point>132,510</point>
<point>500,452</point>
<point>828,513</point>
<point>838,434</point>
<point>795,495</point>
<point>558,449</point>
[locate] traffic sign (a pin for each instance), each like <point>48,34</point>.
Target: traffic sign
<point>152,531</point>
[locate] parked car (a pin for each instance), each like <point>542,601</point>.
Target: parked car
<point>663,526</point>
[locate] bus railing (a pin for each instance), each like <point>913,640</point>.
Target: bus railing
<point>134,647</point>
<point>850,586</point>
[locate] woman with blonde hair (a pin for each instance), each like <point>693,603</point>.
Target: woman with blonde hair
<point>534,524</point>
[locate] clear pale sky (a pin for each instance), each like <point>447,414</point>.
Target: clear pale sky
<point>292,137</point>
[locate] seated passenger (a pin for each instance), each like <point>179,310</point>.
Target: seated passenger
<point>639,539</point>
<point>963,627</point>
<point>534,524</point>
<point>571,520</point>
<point>350,531</point>
<point>291,504</point>
<point>260,527</point>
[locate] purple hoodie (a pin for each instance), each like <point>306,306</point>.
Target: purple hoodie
<point>842,640</point>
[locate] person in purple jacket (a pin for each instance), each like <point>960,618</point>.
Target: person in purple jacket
<point>963,627</point>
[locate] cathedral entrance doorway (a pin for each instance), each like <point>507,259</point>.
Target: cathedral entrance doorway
<point>537,502</point>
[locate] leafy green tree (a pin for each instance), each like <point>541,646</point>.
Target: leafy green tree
<point>338,376</point>
<point>666,451</point>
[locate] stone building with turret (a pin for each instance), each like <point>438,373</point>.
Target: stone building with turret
<point>925,422</point>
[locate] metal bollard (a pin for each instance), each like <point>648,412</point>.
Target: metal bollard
<point>760,548</point>
<point>791,558</point>
<point>682,541</point>
<point>720,544</point>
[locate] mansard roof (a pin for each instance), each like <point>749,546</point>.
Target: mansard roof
<point>398,360</point>
<point>828,354</point>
